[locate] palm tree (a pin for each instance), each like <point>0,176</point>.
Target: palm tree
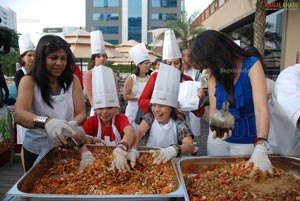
<point>259,26</point>
<point>183,28</point>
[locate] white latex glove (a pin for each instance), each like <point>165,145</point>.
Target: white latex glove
<point>58,130</point>
<point>80,133</point>
<point>163,155</point>
<point>120,160</point>
<point>133,154</point>
<point>225,136</point>
<point>260,160</point>
<point>87,159</point>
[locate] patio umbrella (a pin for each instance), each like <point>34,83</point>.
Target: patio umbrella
<point>80,44</point>
<point>124,49</point>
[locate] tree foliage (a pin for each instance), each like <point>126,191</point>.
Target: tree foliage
<point>183,28</point>
<point>9,60</point>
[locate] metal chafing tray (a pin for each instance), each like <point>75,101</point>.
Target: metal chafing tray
<point>194,165</point>
<point>21,190</point>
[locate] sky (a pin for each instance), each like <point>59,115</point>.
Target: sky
<point>34,15</point>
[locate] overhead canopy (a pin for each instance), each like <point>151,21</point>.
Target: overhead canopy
<point>80,44</point>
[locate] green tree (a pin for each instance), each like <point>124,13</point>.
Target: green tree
<point>9,60</point>
<point>184,29</point>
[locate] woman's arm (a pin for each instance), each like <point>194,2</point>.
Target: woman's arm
<point>211,94</point>
<point>259,92</point>
<point>127,90</point>
<point>87,81</point>
<point>78,101</point>
<point>23,115</point>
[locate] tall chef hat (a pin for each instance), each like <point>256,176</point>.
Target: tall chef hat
<point>104,88</point>
<point>166,86</point>
<point>170,47</point>
<point>97,43</point>
<point>25,43</point>
<point>139,53</point>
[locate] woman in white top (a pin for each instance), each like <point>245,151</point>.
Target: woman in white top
<point>50,100</point>
<point>135,83</point>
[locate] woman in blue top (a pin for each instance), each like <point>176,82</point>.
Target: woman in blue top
<point>239,79</point>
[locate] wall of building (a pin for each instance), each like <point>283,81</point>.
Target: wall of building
<point>229,13</point>
<point>291,41</point>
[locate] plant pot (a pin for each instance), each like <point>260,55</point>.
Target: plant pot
<point>4,153</point>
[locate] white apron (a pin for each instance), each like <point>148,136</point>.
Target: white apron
<point>107,138</point>
<point>20,129</point>
<point>132,106</point>
<point>284,137</point>
<point>162,135</point>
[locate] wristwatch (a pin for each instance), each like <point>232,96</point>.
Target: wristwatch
<point>261,141</point>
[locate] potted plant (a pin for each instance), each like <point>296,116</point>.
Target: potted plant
<point>4,141</point>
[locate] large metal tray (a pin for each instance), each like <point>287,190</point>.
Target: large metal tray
<point>194,165</point>
<point>20,191</point>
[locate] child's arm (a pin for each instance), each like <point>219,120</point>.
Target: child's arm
<point>141,131</point>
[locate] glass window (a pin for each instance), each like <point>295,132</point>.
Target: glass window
<point>105,3</point>
<point>105,16</point>
<point>114,42</point>
<point>135,20</point>
<point>163,16</point>
<point>164,3</point>
<point>107,29</point>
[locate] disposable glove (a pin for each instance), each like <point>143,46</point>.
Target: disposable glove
<point>120,160</point>
<point>260,160</point>
<point>80,133</point>
<point>87,159</point>
<point>58,130</point>
<point>225,136</point>
<point>163,155</point>
<point>133,154</point>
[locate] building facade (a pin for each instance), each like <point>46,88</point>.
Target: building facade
<point>8,18</point>
<point>123,20</point>
<point>281,34</point>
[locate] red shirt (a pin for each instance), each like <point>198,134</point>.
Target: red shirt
<point>144,100</point>
<point>91,126</point>
<point>76,71</point>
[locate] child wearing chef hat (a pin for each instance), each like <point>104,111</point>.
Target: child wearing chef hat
<point>162,127</point>
<point>135,83</point>
<point>99,58</point>
<point>107,123</point>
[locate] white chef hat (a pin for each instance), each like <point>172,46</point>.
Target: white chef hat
<point>139,53</point>
<point>97,43</point>
<point>166,86</point>
<point>25,43</point>
<point>104,88</point>
<point>170,47</point>
<point>188,96</point>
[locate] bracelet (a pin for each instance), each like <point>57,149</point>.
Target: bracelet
<point>39,121</point>
<point>259,139</point>
<point>125,143</point>
<point>178,150</point>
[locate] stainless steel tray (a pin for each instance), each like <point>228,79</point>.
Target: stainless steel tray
<point>194,165</point>
<point>21,189</point>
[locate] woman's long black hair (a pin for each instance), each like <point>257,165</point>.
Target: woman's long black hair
<point>47,45</point>
<point>215,50</point>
